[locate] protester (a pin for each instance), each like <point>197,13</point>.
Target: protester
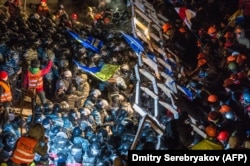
<point>33,79</point>
<point>43,9</point>
<point>64,87</point>
<point>211,142</point>
<point>241,38</point>
<point>28,145</point>
<point>5,97</point>
<point>14,8</point>
<point>82,89</point>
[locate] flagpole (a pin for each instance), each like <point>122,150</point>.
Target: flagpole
<point>226,27</point>
<point>24,5</point>
<point>232,18</point>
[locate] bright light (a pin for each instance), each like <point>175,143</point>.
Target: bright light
<point>135,20</point>
<point>146,31</point>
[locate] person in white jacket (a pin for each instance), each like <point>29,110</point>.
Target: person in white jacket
<point>240,36</point>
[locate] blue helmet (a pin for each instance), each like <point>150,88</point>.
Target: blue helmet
<point>8,128</point>
<point>11,139</point>
<point>55,130</point>
<point>47,122</point>
<point>76,152</point>
<point>73,114</point>
<point>89,132</point>
<point>246,97</point>
<point>230,115</point>
<point>47,108</point>
<point>124,147</point>
<point>38,108</point>
<point>56,108</point>
<point>95,138</point>
<point>95,149</point>
<point>77,131</point>
<point>118,129</point>
<point>62,158</point>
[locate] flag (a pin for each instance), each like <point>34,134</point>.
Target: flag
<point>151,56</point>
<point>83,42</point>
<point>236,18</point>
<point>103,72</point>
<point>134,43</point>
<point>186,92</point>
<point>186,15</point>
<point>95,42</point>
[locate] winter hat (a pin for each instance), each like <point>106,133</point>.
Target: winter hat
<point>3,75</point>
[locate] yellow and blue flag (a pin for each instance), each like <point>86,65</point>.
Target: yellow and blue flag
<point>236,18</point>
<point>103,73</point>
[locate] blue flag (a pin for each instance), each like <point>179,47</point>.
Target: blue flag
<point>95,42</point>
<point>187,92</point>
<point>134,43</point>
<point>83,42</point>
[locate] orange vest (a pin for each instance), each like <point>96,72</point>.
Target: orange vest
<point>6,95</point>
<point>24,152</point>
<point>35,80</point>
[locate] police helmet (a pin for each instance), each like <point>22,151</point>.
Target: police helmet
<point>77,131</point>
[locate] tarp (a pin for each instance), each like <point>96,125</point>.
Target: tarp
<point>207,145</point>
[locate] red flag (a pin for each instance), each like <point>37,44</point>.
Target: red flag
<point>186,15</point>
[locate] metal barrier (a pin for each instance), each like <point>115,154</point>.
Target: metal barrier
<point>146,25</point>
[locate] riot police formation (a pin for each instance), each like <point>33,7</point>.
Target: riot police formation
<point>91,121</point>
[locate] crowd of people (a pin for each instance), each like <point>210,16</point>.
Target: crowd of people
<point>79,119</point>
